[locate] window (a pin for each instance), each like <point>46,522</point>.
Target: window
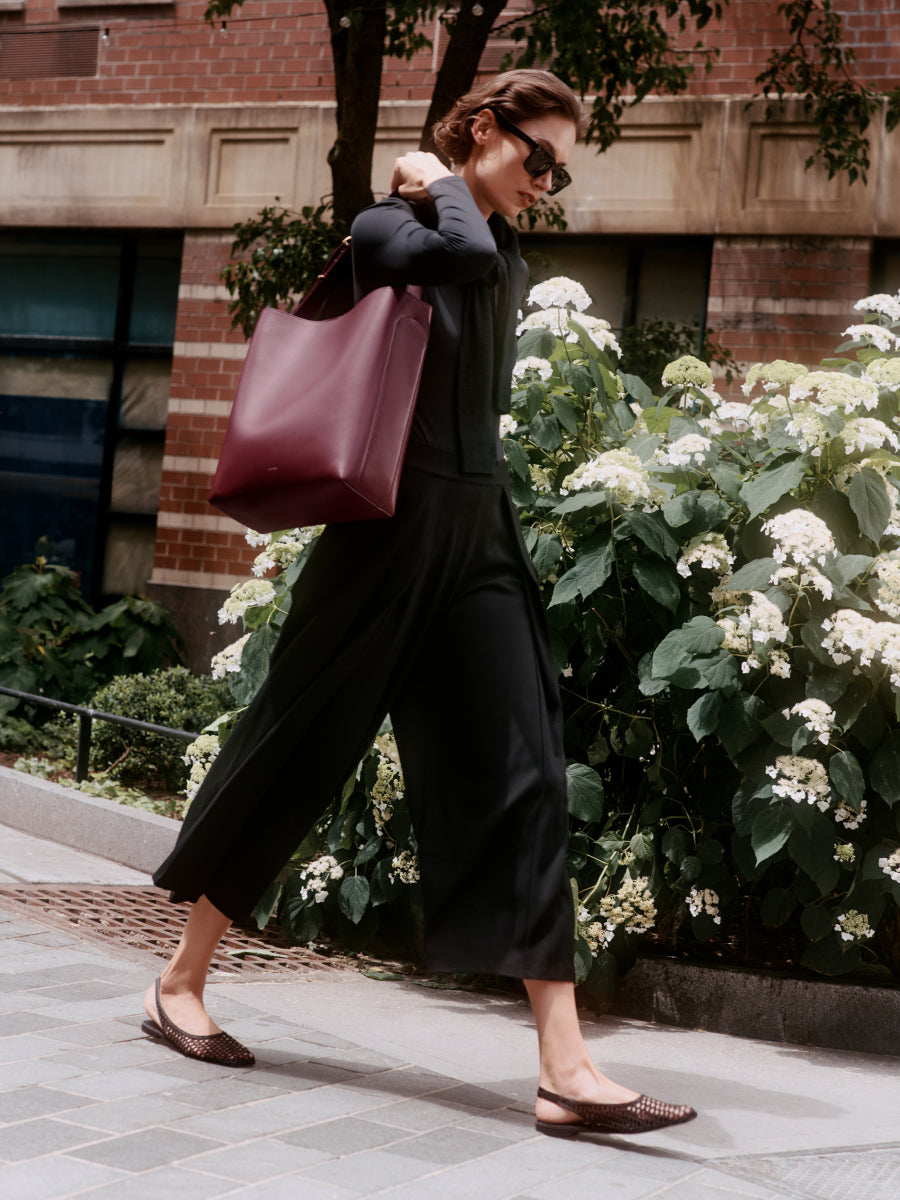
<point>886,266</point>
<point>87,323</point>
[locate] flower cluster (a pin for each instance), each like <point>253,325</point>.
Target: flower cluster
<point>844,852</point>
<point>807,426</point>
<point>687,371</point>
<point>817,716</point>
<point>890,864</point>
<point>527,368</point>
<point>851,636</point>
<point>253,593</point>
<point>621,475</point>
<point>887,572</point>
<point>282,551</point>
<point>560,322</point>
<point>885,372</point>
<point>405,867</point>
<point>690,449</point>
<point>199,756</point>
<point>882,339</point>
<point>704,900</point>
<point>631,907</point>
<point>759,625</point>
<point>387,790</point>
<point>777,374</point>
<point>559,292</point>
<point>853,926</point>
<point>228,661</point>
<point>710,550</point>
<point>800,778</point>
<point>850,818</point>
<point>800,536</point>
<point>508,425</point>
<point>866,433</point>
<point>881,302</point>
<point>835,391</point>
<point>315,876</point>
<point>796,578</point>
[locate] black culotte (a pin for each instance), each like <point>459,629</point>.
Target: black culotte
<point>434,616</point>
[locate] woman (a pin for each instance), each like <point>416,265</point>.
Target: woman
<point>433,616</point>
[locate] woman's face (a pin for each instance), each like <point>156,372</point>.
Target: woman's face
<point>495,170</point>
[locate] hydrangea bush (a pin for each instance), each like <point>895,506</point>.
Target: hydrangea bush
<point>722,585</point>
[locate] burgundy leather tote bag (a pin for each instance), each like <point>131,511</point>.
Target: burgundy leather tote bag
<point>324,406</point>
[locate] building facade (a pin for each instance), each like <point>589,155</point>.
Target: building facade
<point>133,136</point>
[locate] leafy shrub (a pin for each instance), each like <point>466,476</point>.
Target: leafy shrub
<point>722,585</point>
<point>172,697</point>
<point>53,644</point>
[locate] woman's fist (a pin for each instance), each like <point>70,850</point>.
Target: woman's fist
<point>414,172</point>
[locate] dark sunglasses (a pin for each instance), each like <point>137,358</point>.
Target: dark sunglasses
<point>539,160</point>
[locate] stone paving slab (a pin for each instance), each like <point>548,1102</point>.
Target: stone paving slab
<point>368,1088</point>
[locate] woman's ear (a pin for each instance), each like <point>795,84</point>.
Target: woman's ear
<point>482,126</point>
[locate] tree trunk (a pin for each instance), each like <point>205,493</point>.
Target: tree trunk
<point>468,39</point>
<point>357,50</point>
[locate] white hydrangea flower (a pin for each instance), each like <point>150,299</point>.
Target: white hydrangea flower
<point>776,374</point>
<point>851,636</point>
<point>887,572</point>
<point>704,900</point>
<point>540,478</point>
<point>254,593</point>
<point>632,907</point>
<point>800,536</point>
<point>885,372</point>
<point>850,818</point>
<point>880,302</point>
<point>737,414</point>
<point>557,321</point>
<point>508,425</point>
<point>882,339</point>
<point>779,664</point>
<point>710,550</point>
<point>228,661</point>
<point>280,553</point>
<point>316,875</point>
<point>867,433</point>
<point>890,864</point>
<point>532,365</point>
<point>799,578</point>
<point>817,716</point>
<point>764,413</point>
<point>853,926</point>
<point>559,292</point>
<point>809,429</point>
<point>800,778</point>
<point>835,391</point>
<point>621,475</point>
<point>388,788</point>
<point>199,756</point>
<point>761,621</point>
<point>687,370</point>
<point>405,867</point>
<point>252,538</point>
<point>692,448</point>
<point>845,852</point>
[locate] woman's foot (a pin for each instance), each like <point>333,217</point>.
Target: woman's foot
<point>219,1048</point>
<point>184,1008</point>
<point>590,1086</point>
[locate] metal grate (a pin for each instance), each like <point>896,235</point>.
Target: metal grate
<point>49,53</point>
<point>144,919</point>
<point>873,1174</point>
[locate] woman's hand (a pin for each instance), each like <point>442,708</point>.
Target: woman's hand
<point>414,172</point>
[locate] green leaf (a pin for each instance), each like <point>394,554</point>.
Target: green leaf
<point>658,581</point>
<point>771,830</point>
<point>545,431</point>
<point>740,722</point>
<point>580,501</point>
<point>831,957</point>
<point>851,566</point>
<point>517,459</point>
<point>585,792</point>
<point>565,414</point>
<point>778,905</point>
<point>584,960</point>
<point>353,897</point>
<point>546,554</point>
<point>728,479</point>
<point>753,576</point>
<point>812,849</point>
<point>884,768</point>
<point>847,777</point>
<point>637,388</point>
<point>767,489</point>
<point>817,922</point>
<point>703,715</point>
<point>254,664</point>
<point>870,502</point>
<point>590,572</point>
<point>701,635</point>
<point>539,343</point>
<point>652,531</point>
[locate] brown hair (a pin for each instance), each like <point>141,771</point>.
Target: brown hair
<point>518,95</point>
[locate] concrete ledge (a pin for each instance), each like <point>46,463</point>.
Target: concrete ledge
<point>768,1005</point>
<point>136,839</point>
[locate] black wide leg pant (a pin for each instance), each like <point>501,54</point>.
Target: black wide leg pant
<point>435,617</point>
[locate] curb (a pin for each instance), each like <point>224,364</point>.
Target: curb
<point>768,1005</point>
<point>128,836</point>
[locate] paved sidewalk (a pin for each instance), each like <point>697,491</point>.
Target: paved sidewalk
<point>365,1088</point>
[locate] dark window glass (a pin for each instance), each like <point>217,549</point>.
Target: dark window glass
<point>886,266</point>
<point>56,289</point>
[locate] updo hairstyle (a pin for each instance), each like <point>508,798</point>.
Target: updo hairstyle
<point>518,95</point>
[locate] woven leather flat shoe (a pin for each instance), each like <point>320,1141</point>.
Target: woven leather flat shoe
<point>636,1116</point>
<point>219,1048</point>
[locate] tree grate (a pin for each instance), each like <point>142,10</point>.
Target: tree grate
<point>144,919</point>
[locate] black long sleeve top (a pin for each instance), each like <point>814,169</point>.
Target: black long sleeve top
<point>472,275</point>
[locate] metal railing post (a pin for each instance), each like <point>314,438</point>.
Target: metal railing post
<point>83,760</point>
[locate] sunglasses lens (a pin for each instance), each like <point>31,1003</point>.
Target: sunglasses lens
<point>561,179</point>
<point>539,162</point>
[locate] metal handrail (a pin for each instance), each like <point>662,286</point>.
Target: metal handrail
<point>85,717</point>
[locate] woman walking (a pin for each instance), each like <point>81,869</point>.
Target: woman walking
<point>434,617</point>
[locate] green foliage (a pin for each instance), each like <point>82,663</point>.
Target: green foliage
<point>174,698</point>
<point>650,345</point>
<point>53,643</point>
<point>282,254</point>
